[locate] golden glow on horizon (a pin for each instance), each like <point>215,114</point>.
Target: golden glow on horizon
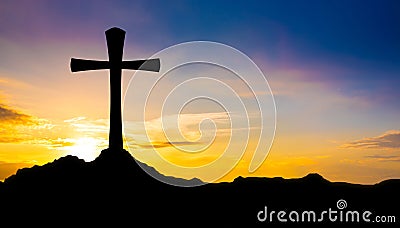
<point>290,157</point>
<point>301,145</point>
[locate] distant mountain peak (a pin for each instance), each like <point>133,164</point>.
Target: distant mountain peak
<point>314,177</point>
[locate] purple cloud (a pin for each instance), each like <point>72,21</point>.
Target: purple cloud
<point>388,140</point>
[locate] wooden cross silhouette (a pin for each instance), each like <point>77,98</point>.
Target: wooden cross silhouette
<point>115,43</point>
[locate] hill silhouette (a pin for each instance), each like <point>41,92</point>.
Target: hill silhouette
<point>114,188</point>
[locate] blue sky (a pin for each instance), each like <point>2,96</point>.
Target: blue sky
<point>360,39</point>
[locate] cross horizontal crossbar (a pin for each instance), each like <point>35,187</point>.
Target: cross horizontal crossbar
<point>84,65</point>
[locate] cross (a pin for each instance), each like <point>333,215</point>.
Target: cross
<point>115,43</point>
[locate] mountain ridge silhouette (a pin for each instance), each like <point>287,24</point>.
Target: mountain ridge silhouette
<point>119,161</point>
<point>114,187</point>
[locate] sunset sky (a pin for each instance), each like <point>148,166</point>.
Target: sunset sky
<point>333,68</point>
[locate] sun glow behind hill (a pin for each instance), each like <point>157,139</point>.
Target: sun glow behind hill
<point>85,148</point>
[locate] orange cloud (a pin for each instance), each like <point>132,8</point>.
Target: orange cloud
<point>11,121</point>
<point>17,127</point>
<point>10,116</point>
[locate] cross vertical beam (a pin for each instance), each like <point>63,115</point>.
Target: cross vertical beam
<point>115,44</point>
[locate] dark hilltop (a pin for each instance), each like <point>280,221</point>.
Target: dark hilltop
<point>114,188</point>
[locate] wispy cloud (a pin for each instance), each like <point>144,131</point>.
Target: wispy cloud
<point>385,158</point>
<point>166,144</point>
<point>388,140</point>
<point>59,142</point>
<point>178,128</point>
<point>11,116</point>
<point>19,127</point>
<point>87,126</point>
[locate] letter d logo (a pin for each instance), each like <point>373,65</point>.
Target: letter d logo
<point>262,215</point>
